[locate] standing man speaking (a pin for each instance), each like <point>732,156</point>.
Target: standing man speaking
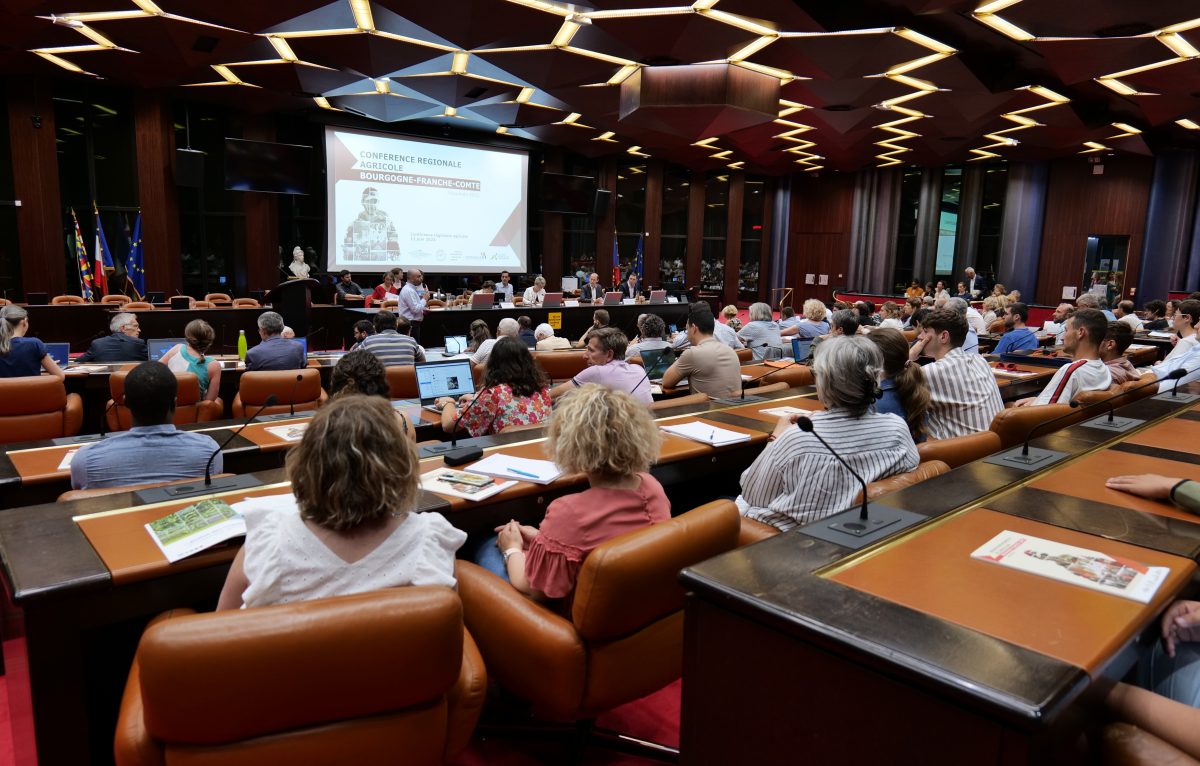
<point>412,302</point>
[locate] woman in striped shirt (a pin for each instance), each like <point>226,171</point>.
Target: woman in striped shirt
<point>796,480</point>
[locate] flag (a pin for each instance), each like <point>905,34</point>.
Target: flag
<point>637,259</point>
<point>86,286</point>
<point>104,261</point>
<point>135,270</point>
<point>616,264</point>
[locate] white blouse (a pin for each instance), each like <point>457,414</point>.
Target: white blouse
<point>285,562</point>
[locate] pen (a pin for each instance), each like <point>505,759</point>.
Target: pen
<point>712,435</point>
<point>523,473</point>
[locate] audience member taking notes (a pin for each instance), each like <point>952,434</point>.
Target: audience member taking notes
<point>348,525</point>
<point>21,356</point>
<point>514,394</point>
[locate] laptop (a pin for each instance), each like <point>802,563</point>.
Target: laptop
<point>303,343</point>
<point>552,301</point>
<point>673,328</point>
<point>656,361</point>
<point>456,344</point>
<point>437,379</point>
<point>159,346</point>
<point>613,299</point>
<point>59,352</point>
<point>801,347</point>
<point>658,296</point>
<point>483,300</point>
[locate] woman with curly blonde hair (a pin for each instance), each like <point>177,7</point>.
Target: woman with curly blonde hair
<point>610,437</point>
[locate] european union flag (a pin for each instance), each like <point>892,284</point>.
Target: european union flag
<point>135,270</point>
<point>638,265</point>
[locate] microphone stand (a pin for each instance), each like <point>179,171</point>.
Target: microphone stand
<point>1121,425</point>
<point>1175,396</point>
<point>291,413</point>
<point>453,454</point>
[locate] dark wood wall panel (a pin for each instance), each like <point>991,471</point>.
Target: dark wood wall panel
<point>1079,203</point>
<point>653,221</point>
<point>35,180</point>
<point>695,241</point>
<point>552,229</point>
<point>733,236</point>
<point>263,257</point>
<point>819,232</point>
<point>606,227</point>
<point>154,137</point>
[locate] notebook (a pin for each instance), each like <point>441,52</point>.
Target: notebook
<point>698,431</point>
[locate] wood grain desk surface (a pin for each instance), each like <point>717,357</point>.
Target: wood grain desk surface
<point>932,571</point>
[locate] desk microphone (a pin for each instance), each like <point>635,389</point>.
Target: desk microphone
<point>453,454</point>
<point>806,425</point>
<point>1126,423</point>
<point>1176,374</point>
<point>270,400</point>
<point>292,398</point>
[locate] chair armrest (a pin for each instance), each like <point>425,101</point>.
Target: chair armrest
<point>752,531</point>
<point>531,651</point>
<point>1126,745</point>
<point>132,744</point>
<point>465,699</point>
<point>73,415</point>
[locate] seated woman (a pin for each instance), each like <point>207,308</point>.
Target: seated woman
<point>514,393</point>
<point>761,333</point>
<point>22,357</point>
<point>889,316</point>
<point>543,562</point>
<point>904,391</point>
<point>729,315</point>
<point>479,332</point>
<point>392,282</point>
<point>796,480</point>
<point>348,526</point>
<point>813,323</point>
<point>914,290</point>
<point>189,357</point>
<point>361,372</point>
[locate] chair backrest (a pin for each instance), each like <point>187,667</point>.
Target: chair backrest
<point>116,299</point>
<point>61,300</point>
<point>910,335</point>
<point>190,406</point>
<point>961,449</point>
<point>389,304</point>
<point>777,386</point>
<point>996,326</point>
<point>402,380</point>
<point>139,306</point>
<point>680,401</point>
<point>745,354</point>
<point>364,677</point>
<point>214,297</point>
<point>560,365</point>
<point>907,479</point>
<point>796,375</point>
<point>255,387</point>
<point>37,408</point>
<point>4,301</point>
<point>240,303</point>
<point>1093,397</point>
<point>1014,423</point>
<point>204,305</point>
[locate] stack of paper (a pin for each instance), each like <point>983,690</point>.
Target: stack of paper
<point>196,528</point>
<point>1165,335</point>
<point>781,411</point>
<point>469,486</point>
<point>708,434</point>
<point>289,433</point>
<point>520,468</point>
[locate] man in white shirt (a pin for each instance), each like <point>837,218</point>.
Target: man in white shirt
<point>963,395</point>
<point>1085,332</point>
<point>504,287</point>
<point>976,285</point>
<point>1184,323</point>
<point>1188,362</point>
<point>547,340</point>
<point>535,295</point>
<point>412,302</point>
<point>1124,312</point>
<point>507,326</point>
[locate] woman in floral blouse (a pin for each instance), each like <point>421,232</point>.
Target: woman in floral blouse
<point>514,393</point>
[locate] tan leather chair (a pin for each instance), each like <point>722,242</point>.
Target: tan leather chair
<point>779,386</point>
<point>922,472</point>
<point>680,401</point>
<point>745,354</point>
<point>1093,397</point>
<point>138,306</point>
<point>624,636</point>
<point>37,408</point>
<point>204,305</point>
<point>245,303</point>
<point>752,531</point>
<point>794,376</point>
<point>402,380</point>
<point>381,677</point>
<point>389,304</point>
<point>66,300</point>
<point>996,326</point>
<point>910,335</point>
<point>4,301</point>
<point>1014,423</point>
<point>255,387</point>
<point>561,365</point>
<point>116,299</point>
<point>435,303</point>
<point>961,449</point>
<point>218,297</point>
<point>190,404</point>
<point>1123,744</point>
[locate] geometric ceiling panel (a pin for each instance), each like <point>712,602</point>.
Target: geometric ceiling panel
<point>843,55</point>
<point>1087,18</point>
<point>1180,77</point>
<point>551,68</point>
<point>387,108</point>
<point>176,46</point>
<point>294,77</point>
<point>1079,60</point>
<point>476,23</point>
<point>680,38</point>
<point>249,16</point>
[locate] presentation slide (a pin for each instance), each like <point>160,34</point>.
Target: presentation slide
<point>440,206</point>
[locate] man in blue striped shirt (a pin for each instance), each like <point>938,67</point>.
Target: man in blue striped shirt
<point>393,348</point>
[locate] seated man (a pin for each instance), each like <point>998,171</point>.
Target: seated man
<point>600,319</point>
<point>123,345</point>
<point>963,395</point>
<point>525,331</point>
<point>1126,312</point>
<point>547,340</point>
<point>651,329</point>
<point>607,366</point>
<point>842,322</point>
<point>1156,317</point>
<point>1058,321</point>
<point>362,328</point>
<point>593,290</point>
<point>347,286</point>
<point>390,346</point>
<point>1112,353</point>
<point>507,326</point>
<point>970,344</point>
<point>1085,332</point>
<point>275,352</point>
<point>710,366</point>
<point>1188,361</point>
<point>153,450</point>
<point>1093,301</point>
<point>787,318</point>
<point>1017,337</point>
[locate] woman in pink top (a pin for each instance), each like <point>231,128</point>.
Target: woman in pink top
<point>611,438</point>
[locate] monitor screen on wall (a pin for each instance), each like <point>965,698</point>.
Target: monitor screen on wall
<point>567,194</point>
<point>263,166</point>
<point>440,206</point>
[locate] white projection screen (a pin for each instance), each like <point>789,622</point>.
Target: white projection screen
<point>441,206</point>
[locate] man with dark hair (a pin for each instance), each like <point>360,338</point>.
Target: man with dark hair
<point>1156,312</point>
<point>390,346</point>
<point>866,313</point>
<point>651,329</point>
<point>710,366</point>
<point>963,395</point>
<point>1085,332</point>
<point>599,319</point>
<point>346,285</point>
<point>1017,337</point>
<point>841,322</point>
<point>787,317</point>
<point>362,328</point>
<point>607,366</point>
<point>525,333</point>
<point>275,352</point>
<point>153,450</point>
<point>721,331</point>
<point>505,287</point>
<point>1112,353</point>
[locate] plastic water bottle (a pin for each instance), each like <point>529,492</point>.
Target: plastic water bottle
<point>242,345</point>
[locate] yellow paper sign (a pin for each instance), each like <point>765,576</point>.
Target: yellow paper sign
<point>554,319</point>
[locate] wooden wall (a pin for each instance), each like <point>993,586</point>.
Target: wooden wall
<point>35,181</point>
<point>1079,203</point>
<point>819,233</point>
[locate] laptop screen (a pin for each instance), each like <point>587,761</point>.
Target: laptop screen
<point>657,360</point>
<point>59,352</point>
<point>456,344</point>
<point>482,300</point>
<point>159,346</point>
<point>451,379</point>
<point>552,300</point>
<point>611,299</point>
<point>303,344</point>
<point>801,348</point>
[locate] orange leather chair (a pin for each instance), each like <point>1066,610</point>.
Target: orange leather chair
<point>402,380</point>
<point>1092,397</point>
<point>1014,423</point>
<point>560,365</point>
<point>138,306</point>
<point>745,354</point>
<point>255,387</point>
<point>624,636</point>
<point>37,408</point>
<point>116,299</point>
<point>245,303</point>
<point>1123,744</point>
<point>190,405</point>
<point>66,300</point>
<point>961,449</point>
<point>381,677</point>
<point>215,297</point>
<point>910,335</point>
<point>4,301</point>
<point>388,305</point>
<point>204,305</point>
<point>997,326</point>
<point>794,376</point>
<point>680,401</point>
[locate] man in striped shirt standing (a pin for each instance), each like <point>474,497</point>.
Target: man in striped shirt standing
<point>1085,332</point>
<point>963,393</point>
<point>391,347</point>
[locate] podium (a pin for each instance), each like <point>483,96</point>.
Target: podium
<point>292,299</point>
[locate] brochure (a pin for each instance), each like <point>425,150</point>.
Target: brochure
<point>66,460</point>
<point>195,528</point>
<point>781,411</point>
<point>1077,566</point>
<point>706,433</point>
<point>520,468</point>
<point>446,481</point>
<point>293,432</point>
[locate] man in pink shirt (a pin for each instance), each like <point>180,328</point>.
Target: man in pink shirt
<point>607,366</point>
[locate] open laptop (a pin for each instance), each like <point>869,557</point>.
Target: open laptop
<point>613,298</point>
<point>658,296</point>
<point>437,379</point>
<point>656,361</point>
<point>456,344</point>
<point>552,301</point>
<point>156,347</point>
<point>801,347</point>
<point>303,343</point>
<point>59,352</point>
<point>483,300</point>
